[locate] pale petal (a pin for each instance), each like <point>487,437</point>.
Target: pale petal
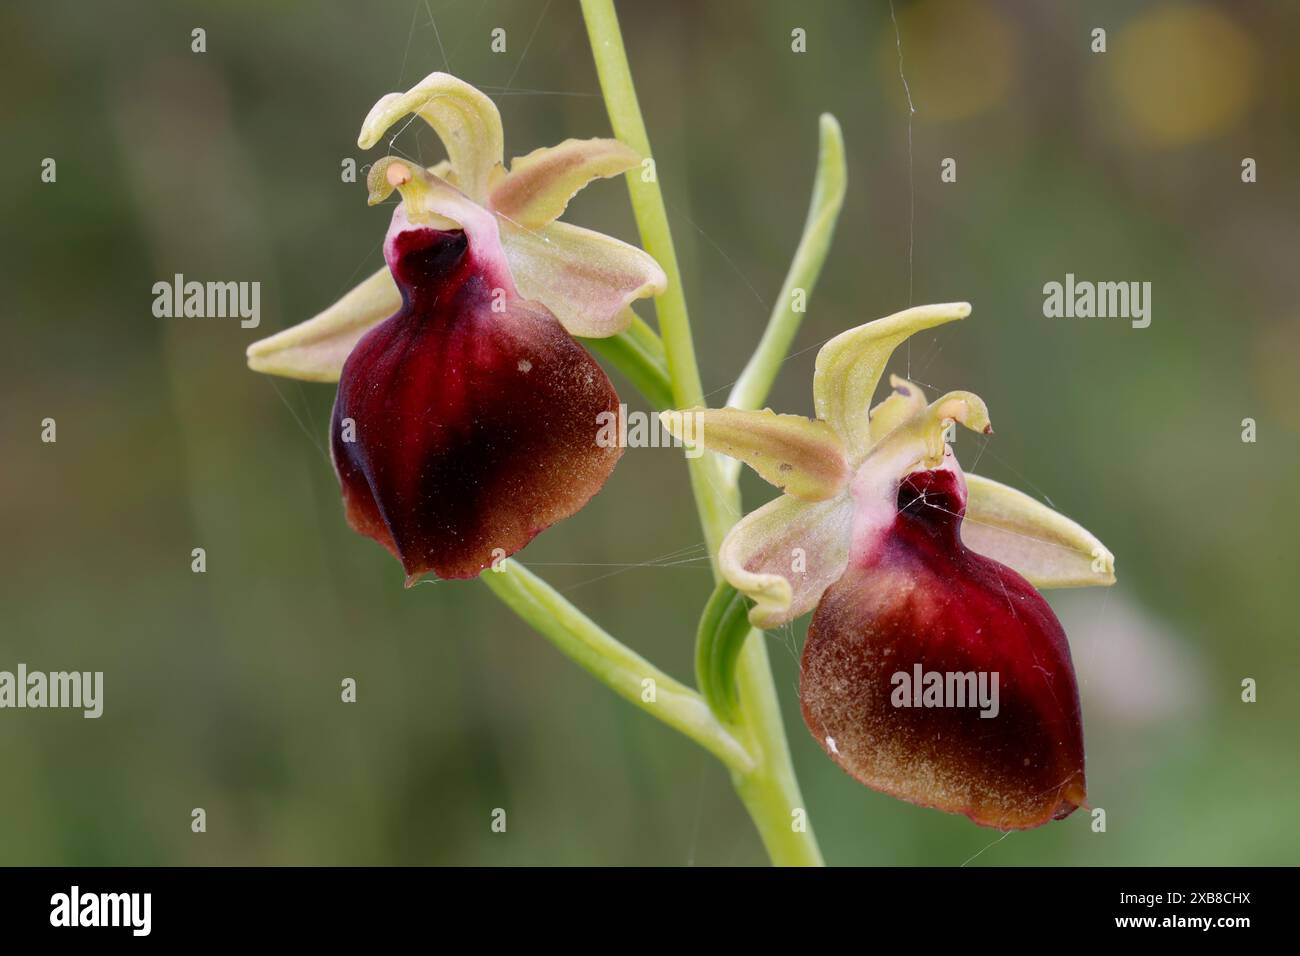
<point>903,402</point>
<point>442,169</point>
<point>786,554</point>
<point>916,443</point>
<point>465,119</point>
<point>1049,549</point>
<point>315,350</point>
<point>587,279</point>
<point>800,456</point>
<point>540,185</point>
<point>428,201</point>
<point>849,367</point>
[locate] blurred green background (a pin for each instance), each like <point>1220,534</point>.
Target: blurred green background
<point>222,689</point>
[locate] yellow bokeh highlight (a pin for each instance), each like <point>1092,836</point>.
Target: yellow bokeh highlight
<point>1179,74</point>
<point>959,57</point>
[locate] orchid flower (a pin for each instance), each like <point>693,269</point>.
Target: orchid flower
<point>911,567</point>
<point>467,416</point>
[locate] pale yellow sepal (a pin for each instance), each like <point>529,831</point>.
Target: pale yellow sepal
<point>587,279</point>
<point>1049,549</point>
<point>802,457</point>
<point>785,555</point>
<point>539,186</point>
<point>315,350</point>
<point>906,399</point>
<point>465,119</point>
<point>849,367</point>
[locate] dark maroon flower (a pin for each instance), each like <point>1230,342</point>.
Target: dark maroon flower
<point>937,675</point>
<point>467,417</point>
<point>475,413</point>
<point>933,669</point>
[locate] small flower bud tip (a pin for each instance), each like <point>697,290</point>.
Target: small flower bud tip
<point>398,174</point>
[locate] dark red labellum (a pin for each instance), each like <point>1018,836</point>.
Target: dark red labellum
<point>922,604</point>
<point>473,415</point>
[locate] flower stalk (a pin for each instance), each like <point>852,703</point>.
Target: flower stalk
<point>612,663</point>
<point>769,790</point>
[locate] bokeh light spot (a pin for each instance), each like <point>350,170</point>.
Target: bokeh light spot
<point>1180,74</point>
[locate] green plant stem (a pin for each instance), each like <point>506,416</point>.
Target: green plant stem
<point>769,790</point>
<point>612,663</point>
<point>718,510</point>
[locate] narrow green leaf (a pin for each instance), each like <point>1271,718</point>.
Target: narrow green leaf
<point>638,353</point>
<point>612,663</point>
<point>750,391</point>
<point>724,625</point>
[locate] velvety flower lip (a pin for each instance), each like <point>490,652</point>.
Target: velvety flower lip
<point>586,279</point>
<point>474,413</point>
<point>912,567</point>
<point>923,603</point>
<point>467,416</point>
